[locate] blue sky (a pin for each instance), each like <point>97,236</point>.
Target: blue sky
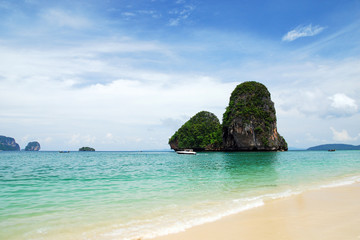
<point>124,75</point>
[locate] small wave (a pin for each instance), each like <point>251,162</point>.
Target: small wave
<point>151,229</point>
<point>342,182</point>
<point>148,229</point>
<point>285,194</point>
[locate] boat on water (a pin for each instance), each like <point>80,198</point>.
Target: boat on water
<point>64,151</point>
<point>331,150</point>
<point>186,151</point>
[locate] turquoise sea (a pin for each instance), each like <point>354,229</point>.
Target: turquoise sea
<point>131,195</point>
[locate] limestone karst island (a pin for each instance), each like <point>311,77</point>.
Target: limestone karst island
<point>33,146</point>
<point>249,124</point>
<point>9,144</point>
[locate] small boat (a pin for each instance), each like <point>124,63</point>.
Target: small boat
<point>186,151</point>
<point>331,150</point>
<point>64,151</point>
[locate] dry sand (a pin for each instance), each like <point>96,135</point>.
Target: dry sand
<point>331,213</point>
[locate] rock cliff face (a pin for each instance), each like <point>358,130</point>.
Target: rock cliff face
<point>201,133</point>
<point>33,146</point>
<point>8,144</point>
<point>249,123</point>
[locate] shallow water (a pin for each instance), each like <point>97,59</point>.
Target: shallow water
<point>128,195</point>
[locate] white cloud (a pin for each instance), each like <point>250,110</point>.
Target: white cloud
<point>110,110</point>
<point>311,138</point>
<point>47,140</point>
<point>343,103</point>
<point>109,136</point>
<point>302,31</point>
<point>316,88</point>
<point>75,139</point>
<point>342,136</point>
<point>152,13</point>
<point>78,139</point>
<point>128,14</point>
<point>174,22</point>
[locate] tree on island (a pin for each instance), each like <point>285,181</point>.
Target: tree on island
<point>86,149</point>
<point>201,132</point>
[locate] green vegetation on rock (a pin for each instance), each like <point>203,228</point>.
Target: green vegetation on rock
<point>86,149</point>
<point>249,101</point>
<point>201,132</point>
<point>249,122</point>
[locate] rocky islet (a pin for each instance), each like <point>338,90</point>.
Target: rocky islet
<point>33,146</point>
<point>249,124</point>
<point>8,144</point>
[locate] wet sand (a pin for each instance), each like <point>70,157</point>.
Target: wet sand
<point>328,214</point>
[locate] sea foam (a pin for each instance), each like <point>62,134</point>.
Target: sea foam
<point>341,182</point>
<point>166,225</point>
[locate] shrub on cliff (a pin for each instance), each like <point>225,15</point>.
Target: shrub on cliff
<point>250,101</point>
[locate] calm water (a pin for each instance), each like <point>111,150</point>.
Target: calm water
<point>128,195</point>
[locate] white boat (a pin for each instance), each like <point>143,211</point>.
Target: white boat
<point>186,151</point>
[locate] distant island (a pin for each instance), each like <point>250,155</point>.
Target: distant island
<point>33,146</point>
<point>249,124</point>
<point>326,147</point>
<point>86,149</point>
<point>8,144</point>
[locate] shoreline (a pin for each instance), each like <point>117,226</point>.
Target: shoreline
<point>326,213</point>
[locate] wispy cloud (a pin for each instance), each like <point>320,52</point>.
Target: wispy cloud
<point>62,18</point>
<point>128,14</point>
<point>77,139</point>
<point>152,13</point>
<point>180,14</point>
<point>302,31</point>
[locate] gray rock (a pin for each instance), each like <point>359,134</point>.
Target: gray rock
<point>8,144</point>
<point>33,146</point>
